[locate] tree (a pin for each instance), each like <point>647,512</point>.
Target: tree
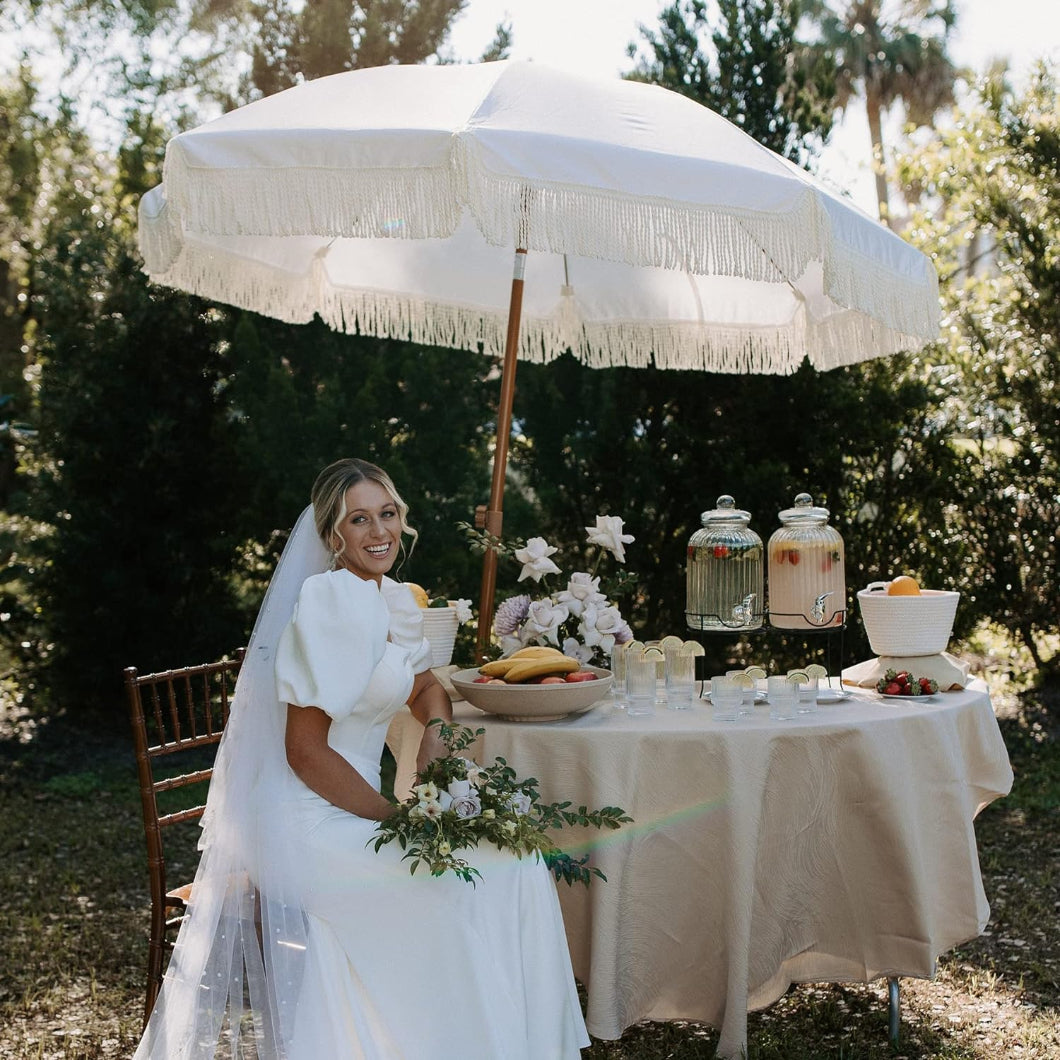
<point>178,439</point>
<point>657,448</point>
<point>887,60</point>
<point>756,72</point>
<point>135,473</point>
<point>994,176</point>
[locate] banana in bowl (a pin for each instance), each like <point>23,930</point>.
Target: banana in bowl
<point>580,689</point>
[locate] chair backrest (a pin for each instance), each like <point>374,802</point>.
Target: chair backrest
<point>178,717</point>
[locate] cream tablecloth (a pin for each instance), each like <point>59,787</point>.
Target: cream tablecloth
<point>838,846</point>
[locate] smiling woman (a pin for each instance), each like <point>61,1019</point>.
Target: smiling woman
<point>290,901</point>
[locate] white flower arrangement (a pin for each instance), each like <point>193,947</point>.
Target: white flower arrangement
<point>459,804</point>
<point>579,618</point>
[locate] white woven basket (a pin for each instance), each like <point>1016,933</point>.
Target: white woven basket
<point>907,625</point>
<point>439,627</point>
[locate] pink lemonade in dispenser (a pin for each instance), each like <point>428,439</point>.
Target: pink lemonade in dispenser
<point>806,574</point>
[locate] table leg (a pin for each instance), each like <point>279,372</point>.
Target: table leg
<point>893,1012</point>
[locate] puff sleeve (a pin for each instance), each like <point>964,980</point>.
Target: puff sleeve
<point>406,624</point>
<point>332,644</point>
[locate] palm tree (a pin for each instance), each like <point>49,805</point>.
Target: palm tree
<point>889,51</point>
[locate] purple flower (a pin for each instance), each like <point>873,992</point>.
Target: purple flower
<point>467,806</point>
<point>511,615</point>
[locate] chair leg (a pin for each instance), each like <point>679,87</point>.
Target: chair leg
<point>893,1010</point>
<point>155,953</point>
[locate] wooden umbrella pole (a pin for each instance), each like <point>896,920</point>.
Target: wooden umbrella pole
<point>494,513</point>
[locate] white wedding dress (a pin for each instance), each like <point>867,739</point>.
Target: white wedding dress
<point>402,967</point>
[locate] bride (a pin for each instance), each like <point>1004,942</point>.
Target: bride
<point>300,942</point>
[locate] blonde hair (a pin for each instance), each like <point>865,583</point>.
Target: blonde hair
<point>329,499</point>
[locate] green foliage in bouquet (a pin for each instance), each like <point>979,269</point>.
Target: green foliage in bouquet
<point>459,804</point>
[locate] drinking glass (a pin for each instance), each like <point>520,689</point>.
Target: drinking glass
<point>641,678</point>
<point>680,679</point>
<point>747,697</point>
<point>618,668</point>
<point>782,698</point>
<point>807,698</point>
<point>725,698</point>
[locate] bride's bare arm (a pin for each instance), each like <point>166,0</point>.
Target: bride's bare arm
<point>427,702</point>
<point>325,770</point>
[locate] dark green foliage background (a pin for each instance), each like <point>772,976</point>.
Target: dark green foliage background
<point>155,449</point>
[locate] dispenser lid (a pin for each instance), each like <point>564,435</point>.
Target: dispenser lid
<point>726,512</point>
<point>804,512</point>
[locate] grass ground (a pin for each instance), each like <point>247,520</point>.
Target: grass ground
<point>73,921</point>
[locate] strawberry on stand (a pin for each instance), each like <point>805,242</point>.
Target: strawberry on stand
<point>903,683</point>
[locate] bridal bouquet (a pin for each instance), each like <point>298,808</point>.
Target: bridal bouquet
<point>457,805</point>
<point>580,617</point>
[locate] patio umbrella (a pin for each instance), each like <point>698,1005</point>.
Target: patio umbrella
<point>644,229</point>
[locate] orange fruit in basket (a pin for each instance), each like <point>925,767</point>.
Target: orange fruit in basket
<point>419,594</point>
<point>903,585</point>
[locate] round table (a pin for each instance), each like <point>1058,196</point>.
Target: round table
<point>838,846</point>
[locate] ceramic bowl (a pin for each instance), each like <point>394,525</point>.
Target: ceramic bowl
<point>533,702</point>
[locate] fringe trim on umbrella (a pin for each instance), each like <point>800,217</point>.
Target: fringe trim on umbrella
<point>843,339</point>
<point>595,223</point>
<point>418,203</point>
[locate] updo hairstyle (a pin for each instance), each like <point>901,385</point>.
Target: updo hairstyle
<point>329,500</point>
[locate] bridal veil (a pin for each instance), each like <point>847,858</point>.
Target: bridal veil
<point>238,961</point>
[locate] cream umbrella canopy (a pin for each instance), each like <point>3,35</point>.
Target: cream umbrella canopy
<point>645,229</point>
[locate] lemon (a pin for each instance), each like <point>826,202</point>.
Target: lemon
<point>816,670</point>
<point>634,645</point>
<point>798,677</point>
<point>419,594</point>
<point>655,653</point>
<point>743,680</point>
<point>756,672</point>
<point>671,643</point>
<point>693,647</point>
<point>903,585</point>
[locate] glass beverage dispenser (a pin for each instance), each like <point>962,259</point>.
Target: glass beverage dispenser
<point>807,583</point>
<point>723,582</point>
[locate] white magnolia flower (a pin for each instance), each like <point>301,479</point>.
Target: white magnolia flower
<point>582,589</point>
<point>444,849</point>
<point>467,806</point>
<point>600,626</point>
<point>459,788</point>
<point>430,809</point>
<point>425,792</point>
<point>511,643</point>
<point>608,534</point>
<point>576,650</point>
<point>462,609</point>
<point>544,620</point>
<point>534,559</point>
